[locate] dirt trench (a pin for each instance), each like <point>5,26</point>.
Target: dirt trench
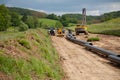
<point>80,64</point>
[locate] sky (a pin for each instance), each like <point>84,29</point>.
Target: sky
<point>59,7</point>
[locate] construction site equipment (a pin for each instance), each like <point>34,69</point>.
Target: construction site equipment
<point>52,31</point>
<point>109,54</point>
<point>82,28</point>
<point>60,32</point>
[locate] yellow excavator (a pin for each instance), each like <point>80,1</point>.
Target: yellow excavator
<point>60,32</point>
<point>82,28</point>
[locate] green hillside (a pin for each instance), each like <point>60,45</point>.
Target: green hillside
<point>111,27</point>
<point>29,12</point>
<point>28,55</point>
<point>49,22</point>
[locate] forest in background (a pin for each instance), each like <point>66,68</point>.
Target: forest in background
<point>23,19</point>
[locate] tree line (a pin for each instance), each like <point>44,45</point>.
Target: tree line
<point>109,16</point>
<point>22,11</point>
<point>24,19</point>
<point>77,18</point>
<point>11,18</point>
<point>70,18</point>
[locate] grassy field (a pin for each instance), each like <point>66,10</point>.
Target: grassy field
<point>28,55</point>
<point>48,22</point>
<point>111,27</point>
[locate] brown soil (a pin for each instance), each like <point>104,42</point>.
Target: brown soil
<point>80,64</point>
<point>4,76</point>
<point>11,48</point>
<point>108,42</point>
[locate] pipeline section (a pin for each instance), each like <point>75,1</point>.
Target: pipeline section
<point>114,58</point>
<point>88,45</point>
<point>99,50</point>
<point>73,39</point>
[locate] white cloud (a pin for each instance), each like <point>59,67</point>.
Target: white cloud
<point>38,10</point>
<point>115,6</point>
<point>95,13</point>
<point>50,1</point>
<point>61,13</point>
<point>60,7</point>
<point>109,7</point>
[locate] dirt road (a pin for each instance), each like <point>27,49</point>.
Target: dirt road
<point>80,64</point>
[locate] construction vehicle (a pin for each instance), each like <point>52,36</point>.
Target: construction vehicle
<point>51,31</point>
<point>60,32</point>
<point>82,28</point>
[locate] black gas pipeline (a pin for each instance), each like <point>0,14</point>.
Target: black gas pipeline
<point>99,50</point>
<point>110,55</point>
<point>73,39</point>
<point>114,58</point>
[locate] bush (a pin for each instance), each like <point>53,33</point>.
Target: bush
<point>25,43</point>
<point>58,24</point>
<point>23,26</point>
<point>32,22</point>
<point>93,39</point>
<point>15,20</point>
<point>5,18</point>
<point>6,64</point>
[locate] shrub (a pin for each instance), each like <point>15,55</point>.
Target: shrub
<point>23,26</point>
<point>58,24</point>
<point>93,39</point>
<point>5,18</point>
<point>32,22</point>
<point>25,43</point>
<point>6,64</point>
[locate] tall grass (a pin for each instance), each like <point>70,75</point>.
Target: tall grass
<point>10,35</point>
<point>42,62</point>
<point>25,43</point>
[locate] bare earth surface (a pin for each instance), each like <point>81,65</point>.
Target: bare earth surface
<point>108,42</point>
<point>80,64</point>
